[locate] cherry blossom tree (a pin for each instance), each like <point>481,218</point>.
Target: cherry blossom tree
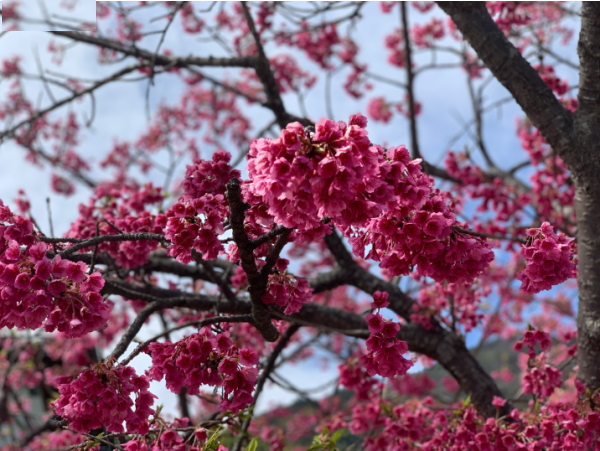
<point>256,245</point>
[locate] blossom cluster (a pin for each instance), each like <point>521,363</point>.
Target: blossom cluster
<point>196,220</point>
<point>376,197</point>
<point>168,439</point>
<point>37,291</point>
<point>540,378</point>
<point>416,425</point>
<point>549,258</point>
<point>305,177</point>
<point>101,396</point>
<point>531,338</point>
<point>210,359</point>
<point>116,208</point>
<point>287,290</point>
<point>424,36</point>
<point>385,350</point>
<point>427,238</point>
<point>354,376</point>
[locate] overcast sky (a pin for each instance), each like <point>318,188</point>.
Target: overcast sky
<point>120,113</point>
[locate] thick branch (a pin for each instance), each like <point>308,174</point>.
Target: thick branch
<point>158,60</point>
<point>265,74</point>
<point>328,280</point>
<point>351,273</point>
<point>257,281</point>
<point>588,49</point>
<point>585,170</point>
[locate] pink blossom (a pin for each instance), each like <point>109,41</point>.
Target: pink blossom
<point>379,110</point>
<point>100,396</point>
<point>212,360</point>
<point>380,299</point>
<point>549,258</point>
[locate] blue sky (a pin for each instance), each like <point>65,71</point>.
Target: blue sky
<point>68,12</point>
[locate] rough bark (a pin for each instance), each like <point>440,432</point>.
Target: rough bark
<point>584,163</point>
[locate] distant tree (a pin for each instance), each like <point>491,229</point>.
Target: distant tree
<point>319,237</point>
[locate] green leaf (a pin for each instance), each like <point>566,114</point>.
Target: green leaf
<point>316,447</point>
<point>337,434</point>
<point>387,408</point>
<point>467,402</point>
<point>252,445</point>
<point>213,440</point>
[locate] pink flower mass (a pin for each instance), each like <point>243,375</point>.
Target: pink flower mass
<point>292,218</point>
<point>549,258</point>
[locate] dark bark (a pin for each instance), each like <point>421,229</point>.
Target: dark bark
<point>257,280</point>
<point>584,162</point>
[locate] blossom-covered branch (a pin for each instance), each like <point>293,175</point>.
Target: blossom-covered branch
<point>256,279</point>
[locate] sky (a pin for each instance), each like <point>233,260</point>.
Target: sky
<point>65,13</point>
<point>120,112</point>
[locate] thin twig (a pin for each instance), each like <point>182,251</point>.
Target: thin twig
<point>81,244</point>
<point>414,141</point>
<point>50,217</point>
<point>199,323</point>
<point>269,367</point>
<point>490,236</point>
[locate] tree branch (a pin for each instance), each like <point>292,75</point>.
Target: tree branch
<point>257,281</point>
<point>158,60</point>
<point>585,167</point>
<point>445,347</point>
<point>267,78</point>
<point>412,116</point>
<point>269,367</point>
<point>102,238</point>
<point>11,131</point>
